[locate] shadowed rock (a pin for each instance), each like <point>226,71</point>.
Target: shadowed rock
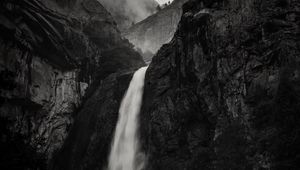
<point>224,93</point>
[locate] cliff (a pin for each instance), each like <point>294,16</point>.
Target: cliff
<point>54,55</point>
<point>151,33</point>
<point>89,141</point>
<point>224,93</point>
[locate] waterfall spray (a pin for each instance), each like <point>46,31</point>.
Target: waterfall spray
<point>125,154</point>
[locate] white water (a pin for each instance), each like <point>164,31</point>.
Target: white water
<point>125,154</point>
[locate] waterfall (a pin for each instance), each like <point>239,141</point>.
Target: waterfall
<point>125,154</point>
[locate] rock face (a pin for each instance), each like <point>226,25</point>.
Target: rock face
<point>150,34</point>
<point>53,56</point>
<point>88,144</point>
<point>224,93</point>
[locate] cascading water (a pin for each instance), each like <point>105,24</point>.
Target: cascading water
<point>125,154</point>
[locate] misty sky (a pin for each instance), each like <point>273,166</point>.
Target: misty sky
<point>163,1</point>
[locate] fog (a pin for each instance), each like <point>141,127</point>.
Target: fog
<point>131,11</point>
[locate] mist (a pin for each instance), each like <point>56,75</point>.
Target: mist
<point>127,12</point>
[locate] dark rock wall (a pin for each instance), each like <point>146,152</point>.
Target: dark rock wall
<point>89,141</point>
<point>224,93</point>
<point>53,56</point>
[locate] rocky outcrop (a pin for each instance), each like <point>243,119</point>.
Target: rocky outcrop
<point>89,141</point>
<point>151,33</point>
<point>224,93</point>
<point>54,55</point>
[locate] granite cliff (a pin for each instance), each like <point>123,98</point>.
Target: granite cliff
<point>54,54</point>
<point>224,93</point>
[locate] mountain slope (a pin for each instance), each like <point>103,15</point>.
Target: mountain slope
<point>150,34</point>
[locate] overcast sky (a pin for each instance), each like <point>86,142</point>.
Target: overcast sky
<point>163,1</point>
